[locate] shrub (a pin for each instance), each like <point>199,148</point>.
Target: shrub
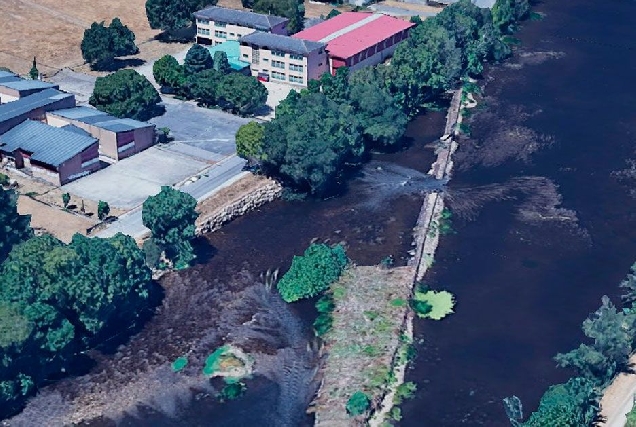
<point>102,209</point>
<point>313,272</point>
<point>358,404</point>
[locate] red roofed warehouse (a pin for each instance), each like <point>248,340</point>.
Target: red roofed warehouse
<point>358,39</point>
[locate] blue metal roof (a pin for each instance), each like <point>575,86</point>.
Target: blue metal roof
<point>6,74</point>
<point>12,78</point>
<point>47,144</point>
<point>29,103</point>
<point>22,84</point>
<point>232,49</point>
<point>79,131</point>
<point>100,119</point>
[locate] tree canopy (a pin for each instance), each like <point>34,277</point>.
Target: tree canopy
<point>313,272</point>
<point>58,299</point>
<point>249,141</point>
<point>171,216</point>
<point>101,44</point>
<point>14,227</point>
<point>292,9</point>
<point>221,64</point>
<point>240,94</point>
<point>170,15</point>
<point>197,59</point>
<point>126,93</point>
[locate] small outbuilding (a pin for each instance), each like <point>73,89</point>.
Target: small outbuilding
<point>54,154</point>
<point>33,107</point>
<point>14,88</point>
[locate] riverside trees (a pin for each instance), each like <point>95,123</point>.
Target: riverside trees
<point>15,227</point>
<point>57,300</point>
<point>170,216</point>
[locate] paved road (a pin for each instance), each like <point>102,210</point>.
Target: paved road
<point>213,178</point>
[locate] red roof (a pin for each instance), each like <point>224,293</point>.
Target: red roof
<point>360,37</point>
<point>330,26</point>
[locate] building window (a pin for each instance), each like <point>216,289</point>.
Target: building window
<point>220,24</point>
<point>296,57</point>
<point>278,53</point>
<point>245,55</point>
<point>294,67</point>
<point>203,22</point>
<point>278,76</point>
<point>220,34</point>
<point>296,79</point>
<point>90,162</point>
<point>232,34</point>
<point>278,64</point>
<point>203,31</point>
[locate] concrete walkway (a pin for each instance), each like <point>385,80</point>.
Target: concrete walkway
<point>210,181</point>
<point>618,399</point>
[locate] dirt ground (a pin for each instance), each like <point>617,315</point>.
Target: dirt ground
<point>52,30</point>
<point>43,201</point>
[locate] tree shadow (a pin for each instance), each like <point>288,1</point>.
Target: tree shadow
<point>204,250</point>
<point>117,64</point>
<point>181,35</point>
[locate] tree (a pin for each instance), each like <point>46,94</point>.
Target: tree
<point>34,73</point>
<point>171,216</point>
<point>358,404</point>
<point>102,210</point>
<point>503,14</point>
<point>66,199</point>
<point>204,86</point>
<point>243,95</point>
<point>332,13</point>
<point>221,64</point>
<point>381,120</point>
<point>313,272</point>
<point>292,9</point>
<point>573,404</point>
<point>15,227</point>
<point>249,141</point>
<point>170,15</point>
<point>166,71</point>
<point>57,300</point>
<point>612,333</point>
<point>101,44</point>
<point>629,297</point>
<point>309,141</point>
<point>197,59</point>
<point>126,93</point>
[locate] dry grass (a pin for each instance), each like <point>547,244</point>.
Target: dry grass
<point>365,335</point>
<point>52,30</point>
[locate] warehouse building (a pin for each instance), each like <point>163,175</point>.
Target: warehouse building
<point>118,138</point>
<point>14,88</point>
<point>284,59</point>
<point>216,25</point>
<point>357,39</point>
<point>33,107</point>
<point>56,155</point>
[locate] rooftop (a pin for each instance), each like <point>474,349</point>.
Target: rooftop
<point>22,84</point>
<point>243,18</point>
<point>47,144</point>
<point>97,118</point>
<point>283,43</point>
<point>4,73</point>
<point>352,32</point>
<point>232,49</point>
<point>29,103</point>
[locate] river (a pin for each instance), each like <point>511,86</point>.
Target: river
<point>524,286</point>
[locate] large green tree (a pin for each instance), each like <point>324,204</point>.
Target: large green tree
<point>170,216</point>
<point>612,331</point>
<point>126,93</point>
<point>313,272</point>
<point>204,87</point>
<point>197,59</point>
<point>166,71</point>
<point>170,15</point>
<point>221,63</point>
<point>14,228</point>
<point>249,141</point>
<point>309,141</point>
<point>57,300</point>
<point>242,95</point>
<point>101,44</point>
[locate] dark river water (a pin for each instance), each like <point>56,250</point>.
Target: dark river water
<point>523,288</point>
<point>523,282</point>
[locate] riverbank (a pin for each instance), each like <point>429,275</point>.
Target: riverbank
<point>372,328</point>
